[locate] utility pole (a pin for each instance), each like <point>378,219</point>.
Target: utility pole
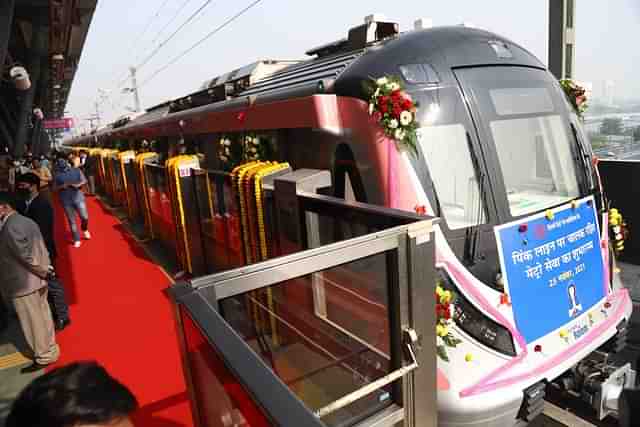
<point>134,89</point>
<point>562,40</point>
<point>97,116</point>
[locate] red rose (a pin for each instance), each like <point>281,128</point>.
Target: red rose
<point>377,116</point>
<point>421,210</point>
<point>407,104</point>
<point>382,100</point>
<point>383,108</point>
<point>396,94</point>
<point>396,111</point>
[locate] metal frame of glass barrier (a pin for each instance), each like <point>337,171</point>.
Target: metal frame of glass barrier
<point>409,253</point>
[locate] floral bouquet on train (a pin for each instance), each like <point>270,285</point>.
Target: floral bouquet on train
<point>444,314</point>
<point>230,154</point>
<point>394,110</point>
<point>576,94</point>
<point>258,148</point>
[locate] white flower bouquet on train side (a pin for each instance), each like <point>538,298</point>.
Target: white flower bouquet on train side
<point>394,110</point>
<point>576,94</point>
<point>259,147</point>
<point>230,155</point>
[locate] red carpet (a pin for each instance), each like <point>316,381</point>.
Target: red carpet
<point>121,318</point>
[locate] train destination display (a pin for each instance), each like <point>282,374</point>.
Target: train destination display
<point>552,266</point>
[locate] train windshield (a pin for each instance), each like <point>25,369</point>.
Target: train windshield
<point>523,113</point>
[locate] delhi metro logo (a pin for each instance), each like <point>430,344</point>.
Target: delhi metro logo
<point>575,306</point>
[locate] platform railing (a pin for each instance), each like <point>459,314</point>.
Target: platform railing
<point>340,330</point>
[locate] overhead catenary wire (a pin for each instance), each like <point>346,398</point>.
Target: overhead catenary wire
<point>120,80</point>
<point>199,42</point>
<point>171,21</point>
<point>175,32</point>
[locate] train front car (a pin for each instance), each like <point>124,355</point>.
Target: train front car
<point>502,159</point>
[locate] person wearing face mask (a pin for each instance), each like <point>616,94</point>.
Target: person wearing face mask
<point>32,204</point>
<point>24,271</point>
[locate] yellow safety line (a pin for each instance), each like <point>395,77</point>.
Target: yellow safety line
<point>12,360</point>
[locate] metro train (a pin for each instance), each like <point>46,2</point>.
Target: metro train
<point>498,144</point>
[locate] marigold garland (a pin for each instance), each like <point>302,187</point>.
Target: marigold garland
<point>618,230</point>
<point>444,314</point>
<point>394,110</point>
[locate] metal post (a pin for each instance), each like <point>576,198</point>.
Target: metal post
<point>562,38</point>
<point>7,8</point>
<point>134,89</point>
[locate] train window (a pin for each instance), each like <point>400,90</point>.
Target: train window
<point>525,116</point>
<point>447,154</point>
<point>538,171</point>
<point>512,101</point>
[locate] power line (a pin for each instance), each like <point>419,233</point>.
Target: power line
<point>173,18</point>
<point>161,45</point>
<point>120,80</point>
<point>199,42</point>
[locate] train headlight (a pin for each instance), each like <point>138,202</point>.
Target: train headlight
<point>475,323</point>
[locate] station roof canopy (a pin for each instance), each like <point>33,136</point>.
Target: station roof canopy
<point>47,38</point>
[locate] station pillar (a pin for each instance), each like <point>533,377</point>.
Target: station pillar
<point>7,8</point>
<point>36,60</point>
<point>562,15</point>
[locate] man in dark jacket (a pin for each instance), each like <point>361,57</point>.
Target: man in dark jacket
<point>35,206</point>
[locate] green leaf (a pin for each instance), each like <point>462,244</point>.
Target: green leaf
<point>441,351</point>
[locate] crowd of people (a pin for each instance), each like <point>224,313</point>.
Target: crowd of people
<point>82,393</point>
<point>29,287</point>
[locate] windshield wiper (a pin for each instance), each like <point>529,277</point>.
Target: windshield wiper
<point>472,242</point>
<point>585,159</point>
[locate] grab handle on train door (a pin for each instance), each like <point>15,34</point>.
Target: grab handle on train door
<point>410,337</point>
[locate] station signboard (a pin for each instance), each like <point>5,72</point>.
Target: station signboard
<point>64,123</point>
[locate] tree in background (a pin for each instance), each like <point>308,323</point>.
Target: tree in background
<point>611,126</point>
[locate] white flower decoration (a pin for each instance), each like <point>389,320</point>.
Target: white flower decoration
<point>227,152</point>
<point>393,123</point>
<point>227,142</point>
<point>394,86</point>
<point>224,158</point>
<point>406,118</point>
<point>382,81</point>
<point>399,134</point>
<point>371,106</point>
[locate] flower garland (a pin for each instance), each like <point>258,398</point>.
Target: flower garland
<point>249,148</point>
<point>576,94</point>
<point>229,154</point>
<point>618,230</point>
<point>394,110</point>
<point>444,310</point>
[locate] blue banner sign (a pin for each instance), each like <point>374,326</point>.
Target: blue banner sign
<point>552,267</point>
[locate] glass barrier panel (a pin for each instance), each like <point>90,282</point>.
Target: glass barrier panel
<point>221,401</point>
<point>325,334</point>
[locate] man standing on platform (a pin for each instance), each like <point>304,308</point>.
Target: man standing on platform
<point>32,204</point>
<point>69,182</point>
<point>24,269</point>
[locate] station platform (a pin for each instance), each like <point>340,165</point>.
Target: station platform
<point>120,318</point>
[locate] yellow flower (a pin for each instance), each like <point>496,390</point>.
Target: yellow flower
<point>445,298</point>
<point>468,357</point>
<point>549,214</point>
<point>439,291</point>
<point>563,333</point>
<point>442,331</point>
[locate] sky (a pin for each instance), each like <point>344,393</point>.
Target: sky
<point>125,32</point>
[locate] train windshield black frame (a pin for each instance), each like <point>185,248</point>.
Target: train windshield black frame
<point>525,117</point>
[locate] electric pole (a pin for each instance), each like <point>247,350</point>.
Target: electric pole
<point>562,39</point>
<point>134,89</point>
